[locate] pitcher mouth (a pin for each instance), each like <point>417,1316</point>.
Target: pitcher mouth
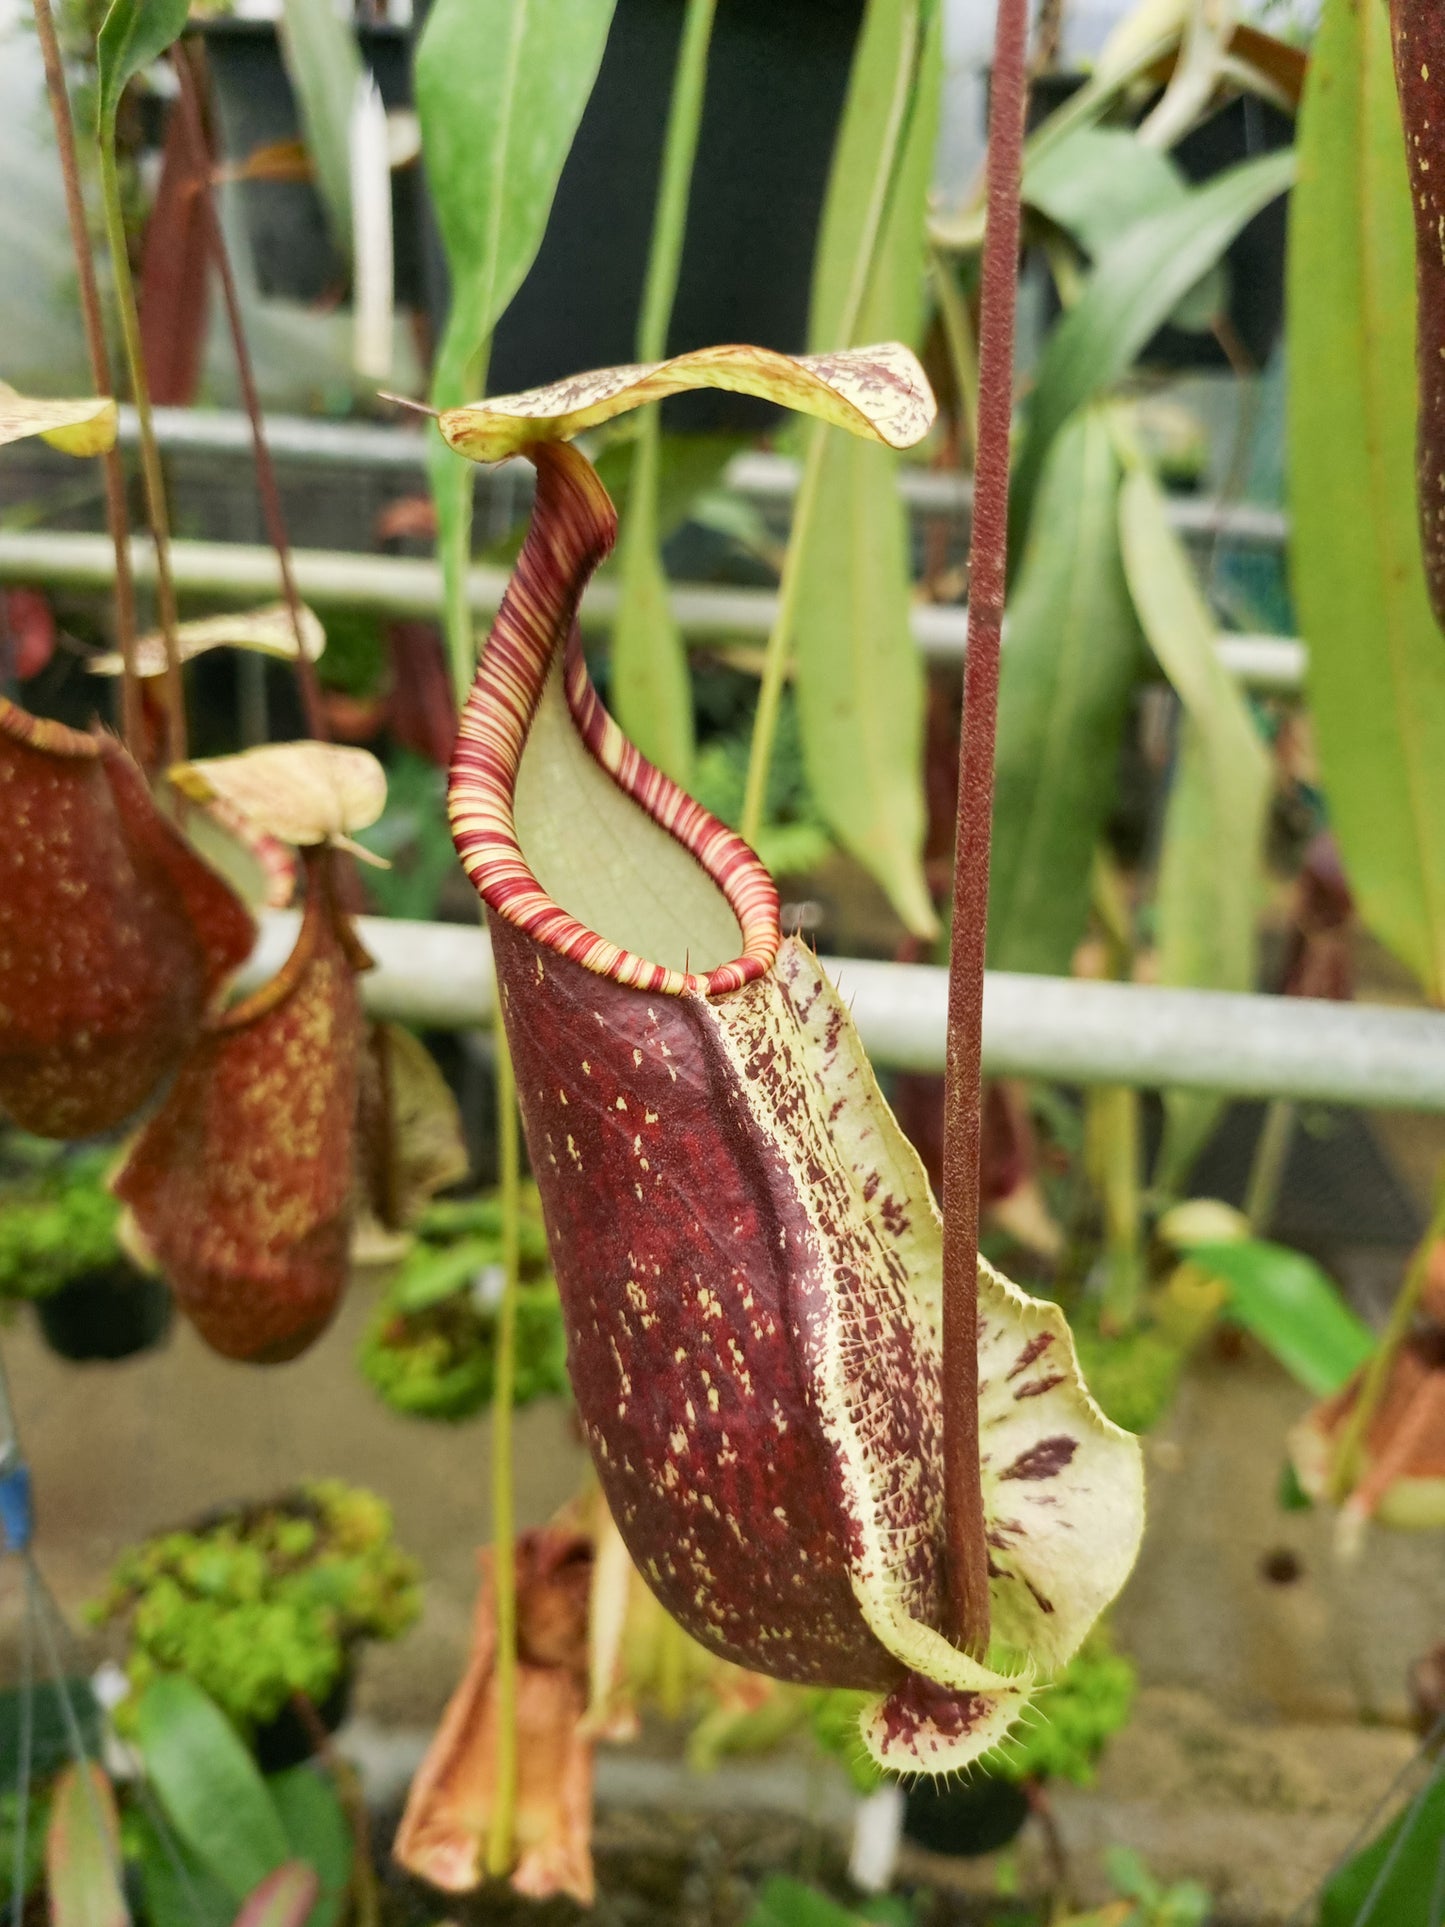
<point>52,738</point>
<point>573,528</point>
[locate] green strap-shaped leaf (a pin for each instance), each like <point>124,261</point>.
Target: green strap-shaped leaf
<point>209,1785</point>
<point>176,1889</point>
<point>1292,1307</point>
<point>651,685</point>
<point>1209,869</point>
<point>785,1902</point>
<point>859,676</point>
<point>500,86</point>
<point>283,1899</point>
<point>860,683</point>
<point>1377,662</point>
<point>887,55</point>
<point>651,692</point>
<point>1074,651</point>
<point>500,89</point>
<point>133,33</point>
<point>319,1833</point>
<point>1396,1878</point>
<point>1136,285</point>
<point>324,64</point>
<point>1098,181</point>
<point>82,1852</point>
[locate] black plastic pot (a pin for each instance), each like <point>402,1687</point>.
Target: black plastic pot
<point>291,1739</point>
<point>46,1712</point>
<point>292,251</point>
<point>976,1816</point>
<point>777,76</point>
<point>106,1315</point>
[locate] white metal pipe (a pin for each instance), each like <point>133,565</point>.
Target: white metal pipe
<point>934,491</point>
<point>394,585</point>
<point>439,976</point>
<point>291,438</point>
<point>765,477</point>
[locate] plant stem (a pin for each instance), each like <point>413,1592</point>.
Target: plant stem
<point>962,348</point>
<point>1111,1132</point>
<point>455,550</point>
<point>350,1794</point>
<point>775,656</point>
<point>150,458</point>
<point>501,1833</point>
<point>132,721</point>
<point>271,511</point>
<point>775,659</point>
<point>668,740</point>
<point>1266,1171</point>
<point>1377,1373</point>
<point>968,1618</point>
<point>669,222</point>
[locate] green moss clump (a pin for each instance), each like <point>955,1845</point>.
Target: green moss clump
<point>37,1821</point>
<point>429,1350</point>
<point>1072,1719</point>
<point>440,1363</point>
<point>1133,1375</point>
<point>793,839</point>
<point>56,1224</point>
<point>1066,1731</point>
<point>833,1716</point>
<point>266,1601</point>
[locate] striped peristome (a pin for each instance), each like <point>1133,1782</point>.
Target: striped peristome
<point>576,525</point>
<point>748,1253</point>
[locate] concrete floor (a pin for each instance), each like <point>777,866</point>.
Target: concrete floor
<point>120,1451</point>
<point>1272,1714</point>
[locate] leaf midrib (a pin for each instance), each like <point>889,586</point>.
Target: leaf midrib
<point>1064,683</point>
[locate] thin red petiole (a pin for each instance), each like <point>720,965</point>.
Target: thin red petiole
<point>132,720</point>
<point>967,1551</point>
<point>190,108</point>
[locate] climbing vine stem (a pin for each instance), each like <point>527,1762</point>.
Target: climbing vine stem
<point>455,533</point>
<point>117,522</point>
<point>266,486</point>
<point>672,747</point>
<point>150,455</point>
<point>967,1560</point>
<point>1346,1468</point>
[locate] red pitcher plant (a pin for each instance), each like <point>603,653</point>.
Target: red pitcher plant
<point>747,1249</point>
